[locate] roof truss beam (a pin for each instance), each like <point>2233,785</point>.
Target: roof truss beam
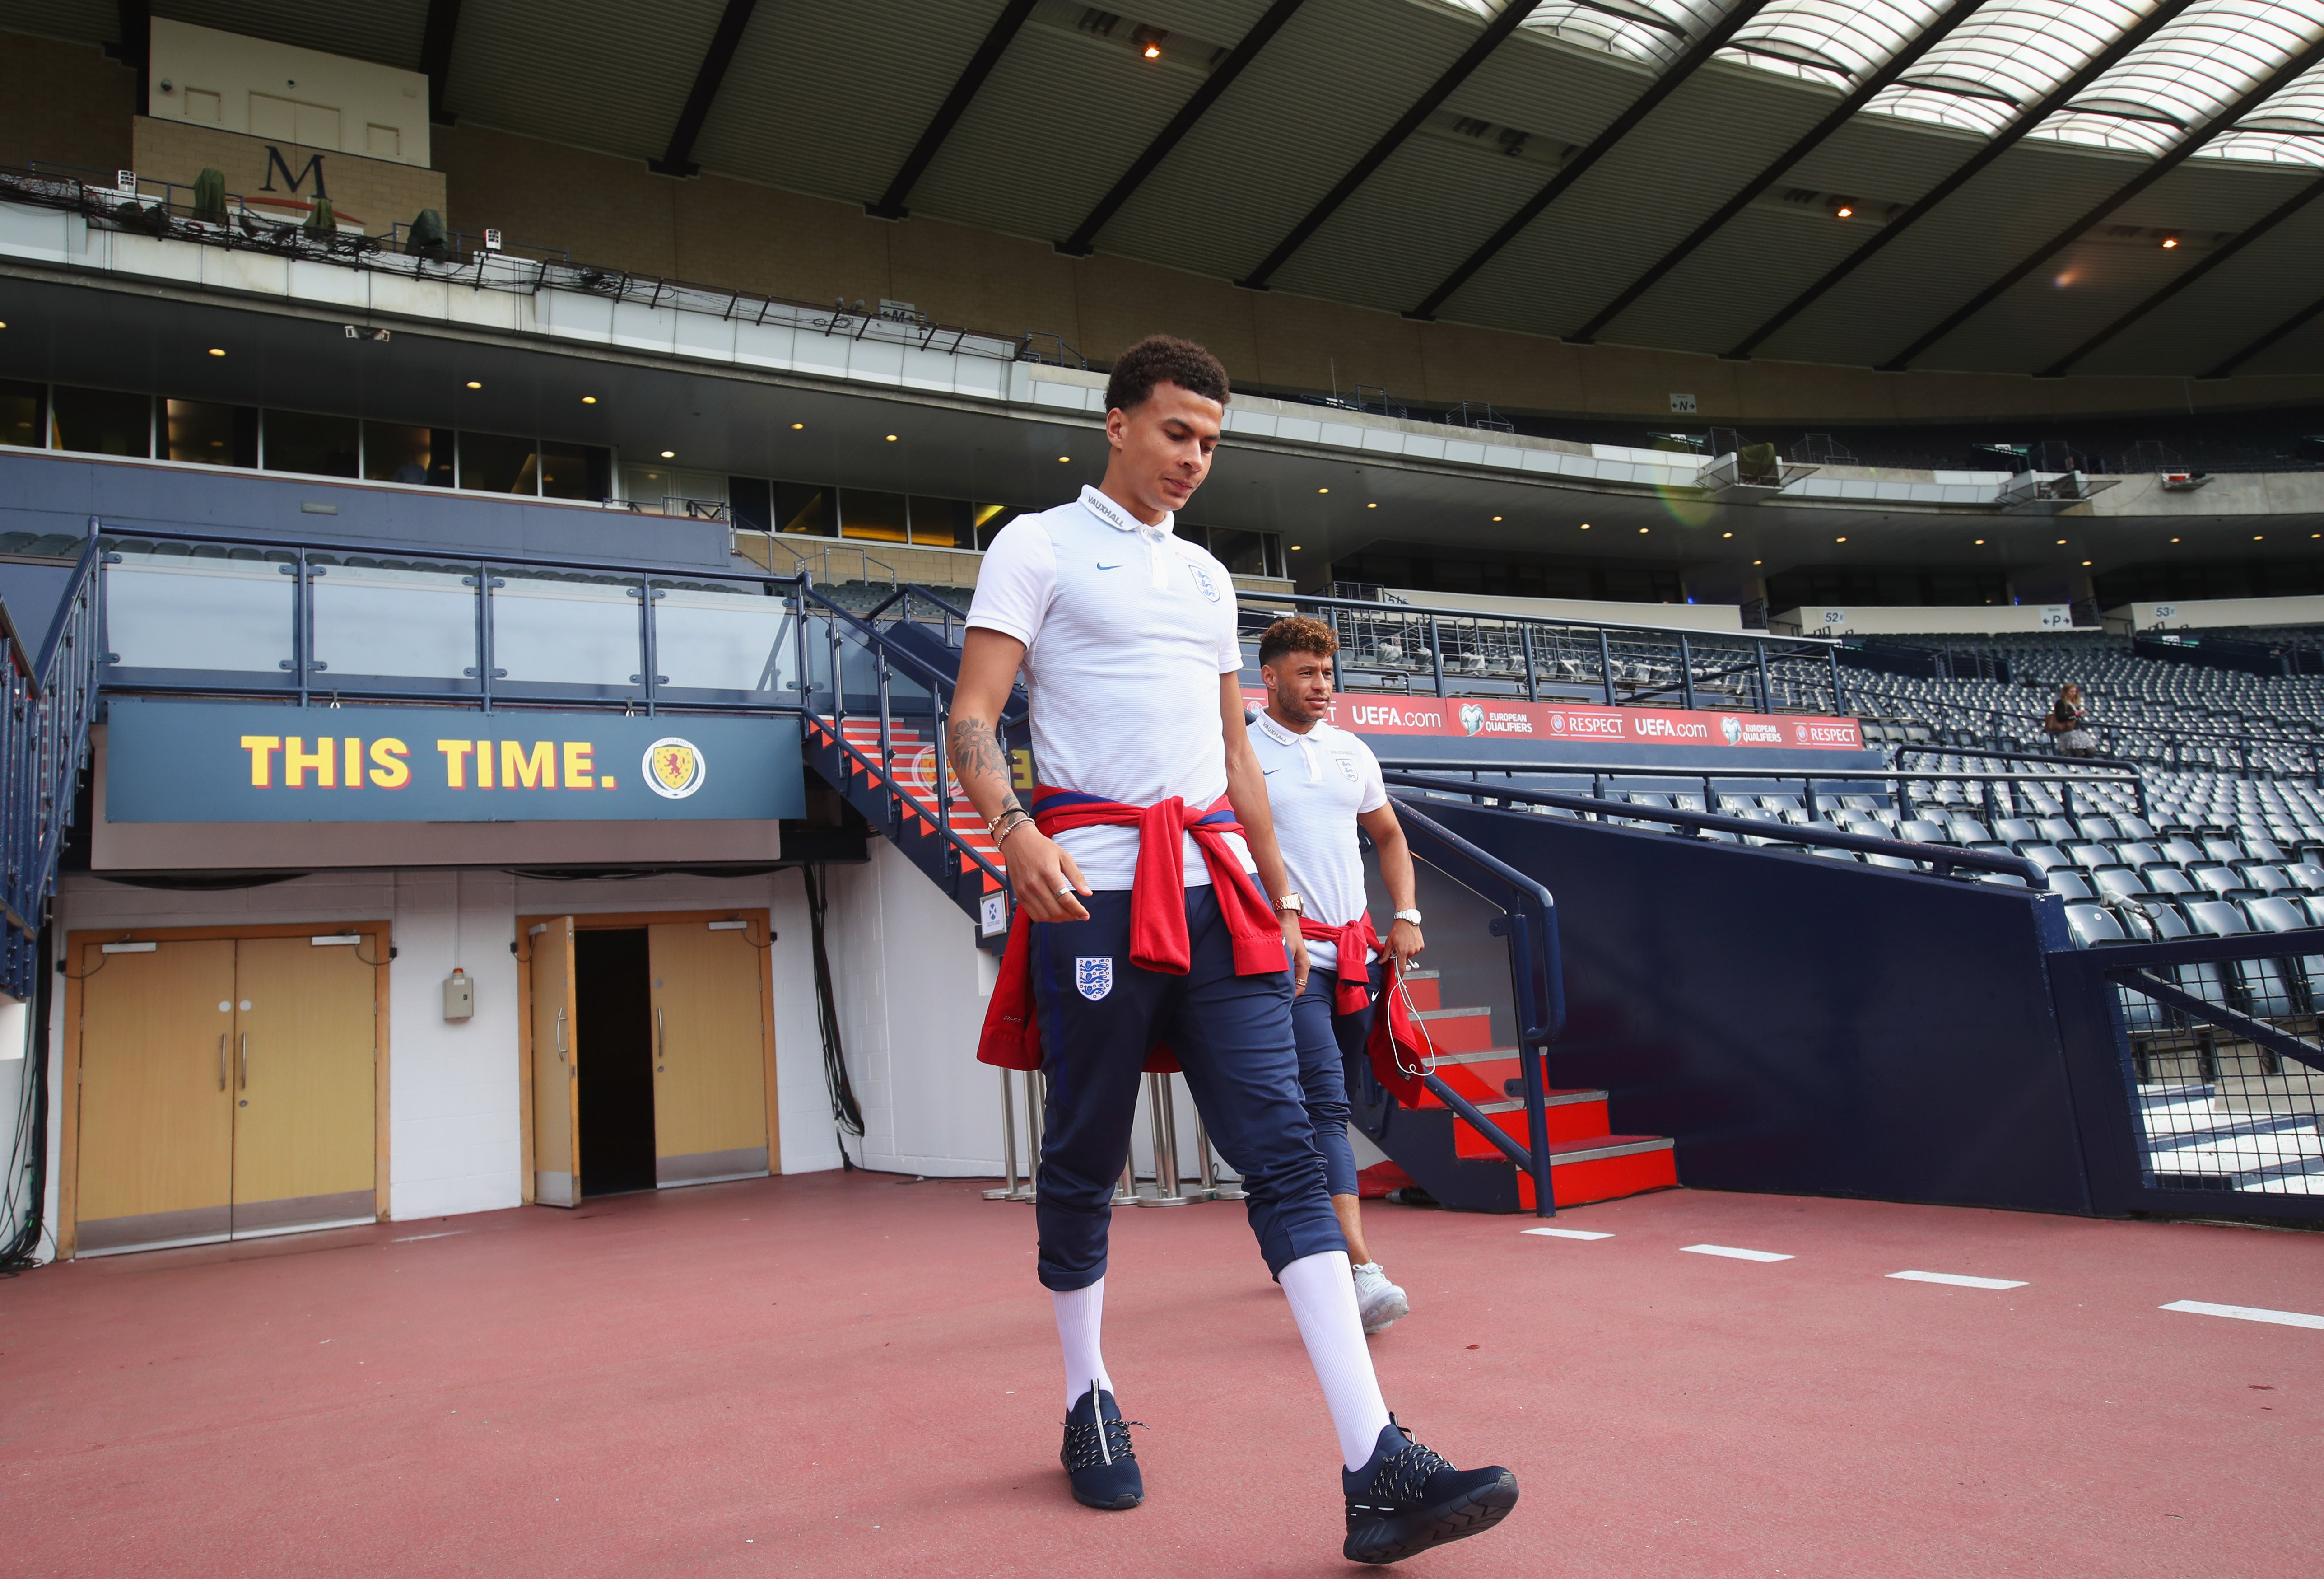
<point>436,55</point>
<point>1083,239</point>
<point>1496,32</point>
<point>2058,98</point>
<point>677,159</point>
<point>2297,320</point>
<point>2176,154</point>
<point>996,40</point>
<point>1842,114</point>
<point>1669,82</point>
<point>2221,254</point>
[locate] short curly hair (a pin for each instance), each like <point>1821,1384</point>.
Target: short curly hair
<point>1296,634</point>
<point>1164,359</point>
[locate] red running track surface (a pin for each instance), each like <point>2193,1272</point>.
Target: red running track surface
<point>857,1375</point>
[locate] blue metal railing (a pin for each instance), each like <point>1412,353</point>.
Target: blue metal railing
<point>1528,920</point>
<point>201,614</point>
<point>44,721</point>
<point>1942,860</point>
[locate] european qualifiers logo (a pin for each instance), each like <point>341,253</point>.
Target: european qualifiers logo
<point>1472,718</point>
<point>674,767</point>
<point>1731,729</point>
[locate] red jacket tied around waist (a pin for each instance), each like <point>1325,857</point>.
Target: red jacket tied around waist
<point>1158,911</point>
<point>1357,943</point>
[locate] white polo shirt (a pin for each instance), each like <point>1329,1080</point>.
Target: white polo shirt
<point>1318,783</point>
<point>1127,630</point>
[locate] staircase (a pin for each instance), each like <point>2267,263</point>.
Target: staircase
<point>873,730</point>
<point>1587,1162</point>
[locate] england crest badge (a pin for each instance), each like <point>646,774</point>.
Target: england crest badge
<point>1093,976</point>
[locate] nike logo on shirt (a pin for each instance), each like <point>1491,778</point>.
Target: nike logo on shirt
<point>1103,565</point>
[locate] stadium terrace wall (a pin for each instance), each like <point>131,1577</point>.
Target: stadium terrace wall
<point>71,104</point>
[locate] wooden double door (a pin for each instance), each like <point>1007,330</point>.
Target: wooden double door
<point>701,1040</point>
<point>228,1088</point>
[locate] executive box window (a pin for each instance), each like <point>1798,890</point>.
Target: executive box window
<point>104,422</point>
<point>806,508</point>
<point>943,524</point>
<point>570,471</point>
<point>211,433</point>
<point>1247,553</point>
<point>989,519</point>
<point>394,454</point>
<point>880,518</point>
<point>751,501</point>
<point>24,415</point>
<point>495,463</point>
<point>310,442</point>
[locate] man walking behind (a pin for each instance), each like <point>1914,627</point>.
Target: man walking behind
<point>1322,784</point>
<point>1137,923</point>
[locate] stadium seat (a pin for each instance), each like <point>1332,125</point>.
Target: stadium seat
<point>2168,880</point>
<point>1923,831</point>
<point>2183,851</point>
<point>2264,849</point>
<point>2017,830</point>
<point>2067,883</point>
<point>2117,882</point>
<point>2306,874</point>
<point>2058,830</point>
<point>2133,827</point>
<point>2093,927</point>
<point>2091,857</point>
<point>2133,854</point>
<point>2168,923</point>
<point>2218,880</point>
<point>2214,918</point>
<point>2097,828</point>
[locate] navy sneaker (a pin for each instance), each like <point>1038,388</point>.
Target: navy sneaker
<point>1097,1456</point>
<point>1407,1499</point>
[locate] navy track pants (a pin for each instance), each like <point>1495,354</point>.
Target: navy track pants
<point>1100,1015</point>
<point>1330,1046</point>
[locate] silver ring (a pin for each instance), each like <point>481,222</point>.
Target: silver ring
<point>1065,890</point>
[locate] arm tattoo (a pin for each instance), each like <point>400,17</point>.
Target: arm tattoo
<point>976,752</point>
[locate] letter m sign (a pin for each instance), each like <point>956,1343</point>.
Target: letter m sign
<point>274,162</point>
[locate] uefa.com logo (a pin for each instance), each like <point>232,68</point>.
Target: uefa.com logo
<point>674,767</point>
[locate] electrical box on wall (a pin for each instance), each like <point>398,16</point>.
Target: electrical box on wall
<point>459,995</point>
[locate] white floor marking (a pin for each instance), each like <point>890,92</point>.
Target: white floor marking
<point>416,1238</point>
<point>1959,1281</point>
<point>1733,1253</point>
<point>2246,1313</point>
<point>1566,1233</point>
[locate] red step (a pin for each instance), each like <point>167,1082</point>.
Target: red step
<point>1572,1115</point>
<point>1605,1168</point>
<point>915,777</point>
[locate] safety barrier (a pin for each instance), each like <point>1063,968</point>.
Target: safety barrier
<point>2200,1074</point>
<point>50,701</point>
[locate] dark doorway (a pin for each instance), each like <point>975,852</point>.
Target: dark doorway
<point>612,1003</point>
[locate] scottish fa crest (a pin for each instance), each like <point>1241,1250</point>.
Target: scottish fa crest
<point>1093,978</point>
<point>674,767</point>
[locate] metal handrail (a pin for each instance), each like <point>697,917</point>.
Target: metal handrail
<point>1400,611</point>
<point>1942,859</point>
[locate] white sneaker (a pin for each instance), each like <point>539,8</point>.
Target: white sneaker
<point>1380,1302</point>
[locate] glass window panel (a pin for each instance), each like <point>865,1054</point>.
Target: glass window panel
<point>989,519</point>
<point>393,454</point>
<point>1655,31</point>
<point>709,639</point>
<point>2004,58</point>
<point>395,621</point>
<point>943,524</point>
<point>806,508</point>
<point>2213,52</point>
<point>494,463</point>
<point>876,517</point>
<point>211,433</point>
<point>105,421</point>
<point>2287,129</point>
<point>1243,553</point>
<point>753,502</point>
<point>24,415</point>
<point>564,471</point>
<point>309,441</point>
<point>1837,42</point>
<point>169,609</point>
<point>547,630</point>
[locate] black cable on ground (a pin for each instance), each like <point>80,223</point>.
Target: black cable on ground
<point>844,1112</point>
<point>23,1196</point>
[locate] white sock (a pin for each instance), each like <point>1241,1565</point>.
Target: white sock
<point>1323,1302</point>
<point>1080,1314</point>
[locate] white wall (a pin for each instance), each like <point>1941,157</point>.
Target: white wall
<point>455,1139</point>
<point>1973,620</point>
<point>2210,613</point>
<point>212,75</point>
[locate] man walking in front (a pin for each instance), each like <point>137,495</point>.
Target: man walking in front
<point>1322,784</point>
<point>1137,925</point>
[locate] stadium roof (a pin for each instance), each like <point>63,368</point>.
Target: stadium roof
<point>2030,186</point>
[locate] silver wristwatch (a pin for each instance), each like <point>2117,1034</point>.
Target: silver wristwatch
<point>1411,916</point>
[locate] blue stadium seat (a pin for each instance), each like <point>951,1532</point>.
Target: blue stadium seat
<point>2168,880</point>
<point>2066,883</point>
<point>2116,882</point>
<point>2214,918</point>
<point>2093,927</point>
<point>2058,830</point>
<point>2097,828</point>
